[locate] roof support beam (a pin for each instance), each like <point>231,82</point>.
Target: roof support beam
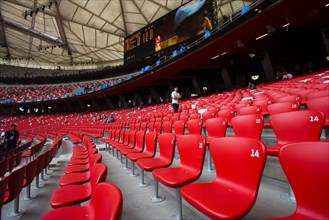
<point>2,31</point>
<point>34,33</point>
<point>123,18</point>
<point>147,21</point>
<point>61,31</point>
<point>32,28</point>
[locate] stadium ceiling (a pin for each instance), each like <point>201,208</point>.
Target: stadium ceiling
<point>78,34</point>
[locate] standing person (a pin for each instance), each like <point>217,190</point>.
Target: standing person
<point>175,96</point>
<point>11,137</point>
<point>2,140</point>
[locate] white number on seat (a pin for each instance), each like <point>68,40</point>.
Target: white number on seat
<point>257,120</point>
<point>314,118</point>
<point>254,153</point>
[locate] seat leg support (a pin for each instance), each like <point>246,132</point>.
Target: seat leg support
<point>133,169</point>
<point>156,197</point>
<point>210,169</point>
<point>142,183</point>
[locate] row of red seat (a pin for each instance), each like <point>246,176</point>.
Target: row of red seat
<point>11,185</point>
<point>85,167</point>
<point>239,163</point>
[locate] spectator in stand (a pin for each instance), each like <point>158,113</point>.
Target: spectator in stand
<point>11,137</point>
<point>286,75</point>
<point>175,96</point>
<point>111,119</point>
<point>2,140</point>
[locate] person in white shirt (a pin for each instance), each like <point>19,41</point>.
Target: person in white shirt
<point>175,96</point>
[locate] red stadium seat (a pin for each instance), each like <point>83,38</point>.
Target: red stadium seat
<point>318,94</point>
<point>139,146</point>
<point>3,167</point>
<point>295,126</point>
<point>320,104</point>
<point>239,165</point>
<point>96,158</point>
<point>150,145</point>
<point>250,110</point>
<point>15,185</point>
<point>194,126</point>
<point>192,150</point>
<point>306,165</point>
<point>106,203</point>
<point>31,169</point>
<point>74,194</point>
<point>167,127</point>
<point>281,107</point>
<point>249,126</point>
<point>216,128</point>
<point>166,144</point>
<point>179,128</point>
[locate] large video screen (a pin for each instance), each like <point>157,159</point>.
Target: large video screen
<point>179,25</point>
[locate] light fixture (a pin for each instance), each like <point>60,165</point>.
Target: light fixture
<point>327,5</point>
<point>261,36</point>
<point>327,58</point>
<point>223,53</point>
<point>88,105</point>
<point>215,57</point>
<point>255,77</point>
<point>286,25</point>
<point>49,107</point>
<point>252,55</point>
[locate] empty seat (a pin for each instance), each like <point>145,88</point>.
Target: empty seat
<point>216,128</point>
<point>74,194</point>
<point>15,185</point>
<point>3,167</point>
<point>306,165</point>
<point>239,164</point>
<point>96,158</point>
<point>150,145</point>
<point>250,126</point>
<point>250,110</point>
<point>281,107</point>
<point>194,126</point>
<point>320,104</point>
<point>166,144</point>
<point>191,149</point>
<point>295,126</point>
<point>106,203</point>
<point>31,169</point>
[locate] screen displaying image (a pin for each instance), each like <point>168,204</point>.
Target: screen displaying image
<point>186,22</point>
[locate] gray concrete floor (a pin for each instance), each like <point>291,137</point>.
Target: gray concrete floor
<point>136,203</point>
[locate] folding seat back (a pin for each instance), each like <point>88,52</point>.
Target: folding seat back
<point>291,98</point>
<point>31,169</point>
<point>250,110</point>
<point>183,118</point>
<point>139,140</point>
<point>192,150</point>
<point>320,104</point>
<point>98,174</point>
<point>150,143</point>
<point>174,119</point>
<point>166,142</point>
<point>226,113</point>
<point>150,127</point>
<point>11,162</point>
<point>195,116</point>
<point>216,127</point>
<point>207,115</point>
<point>157,127</point>
<point>281,107</point>
<point>263,103</point>
<point>15,184</point>
<point>308,163</point>
<point>167,127</point>
<point>318,94</point>
<point>138,126</point>
<point>47,159</point>
<point>249,126</point>
<point>194,126</point>
<point>107,202</point>
<point>132,138</point>
<point>143,126</point>
<point>297,126</point>
<point>179,127</point>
